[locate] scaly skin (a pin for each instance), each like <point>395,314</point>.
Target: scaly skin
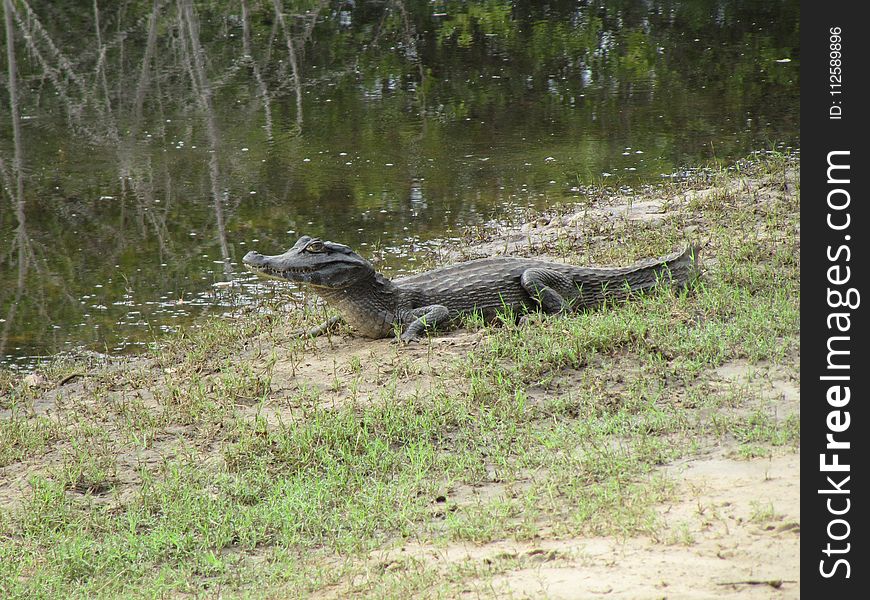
<point>378,307</point>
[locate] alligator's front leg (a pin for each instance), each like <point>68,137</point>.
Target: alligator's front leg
<point>539,283</point>
<point>424,317</point>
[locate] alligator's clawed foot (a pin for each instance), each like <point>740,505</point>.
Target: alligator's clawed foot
<point>406,339</point>
<point>329,325</point>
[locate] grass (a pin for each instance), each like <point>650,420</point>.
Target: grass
<point>213,468</point>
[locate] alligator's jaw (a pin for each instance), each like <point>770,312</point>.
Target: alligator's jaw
<point>313,261</point>
<point>265,266</point>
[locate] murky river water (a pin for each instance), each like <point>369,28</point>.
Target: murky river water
<point>146,146</point>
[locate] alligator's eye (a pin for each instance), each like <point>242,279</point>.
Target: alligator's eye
<point>315,246</point>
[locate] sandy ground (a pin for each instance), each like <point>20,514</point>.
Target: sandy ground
<point>735,534</point>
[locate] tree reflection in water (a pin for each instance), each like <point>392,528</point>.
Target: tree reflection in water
<point>144,143</point>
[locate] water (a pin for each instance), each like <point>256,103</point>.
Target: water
<point>145,147</point>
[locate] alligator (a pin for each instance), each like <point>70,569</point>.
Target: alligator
<point>378,307</point>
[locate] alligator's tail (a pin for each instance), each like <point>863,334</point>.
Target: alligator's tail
<point>684,267</point>
<point>679,269</point>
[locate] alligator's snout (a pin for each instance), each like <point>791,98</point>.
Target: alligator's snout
<point>255,259</point>
<point>312,261</point>
<point>259,264</point>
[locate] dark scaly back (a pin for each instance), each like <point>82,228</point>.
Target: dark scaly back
<point>491,283</point>
<point>485,284</point>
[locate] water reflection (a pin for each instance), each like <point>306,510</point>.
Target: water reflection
<point>145,146</point>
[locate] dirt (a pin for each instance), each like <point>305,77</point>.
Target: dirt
<point>733,533</point>
<point>724,544</point>
<point>723,540</point>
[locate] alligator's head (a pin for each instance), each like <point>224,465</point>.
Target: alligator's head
<point>313,261</point>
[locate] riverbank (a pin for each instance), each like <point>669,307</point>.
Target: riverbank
<point>642,450</point>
